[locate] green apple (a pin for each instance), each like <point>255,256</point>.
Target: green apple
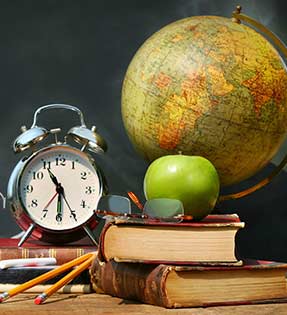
<point>191,179</point>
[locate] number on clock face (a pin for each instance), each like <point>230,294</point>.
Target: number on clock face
<point>60,188</point>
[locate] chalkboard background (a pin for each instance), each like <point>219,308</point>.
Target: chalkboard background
<point>77,52</point>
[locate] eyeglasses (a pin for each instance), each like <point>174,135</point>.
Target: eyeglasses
<point>160,209</point>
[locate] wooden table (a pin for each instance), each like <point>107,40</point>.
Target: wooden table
<point>86,304</point>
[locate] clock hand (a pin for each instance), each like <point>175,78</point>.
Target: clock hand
<point>60,190</point>
<point>59,215</point>
<point>53,178</point>
<point>48,204</point>
<point>73,214</point>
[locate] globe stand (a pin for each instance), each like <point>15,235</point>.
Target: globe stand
<point>237,17</point>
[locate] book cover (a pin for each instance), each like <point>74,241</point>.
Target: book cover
<point>209,241</point>
<point>32,248</point>
<point>191,286</point>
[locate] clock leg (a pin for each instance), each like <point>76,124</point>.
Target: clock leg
<point>90,234</point>
<point>26,234</point>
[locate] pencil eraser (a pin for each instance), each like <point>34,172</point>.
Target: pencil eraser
<point>38,300</point>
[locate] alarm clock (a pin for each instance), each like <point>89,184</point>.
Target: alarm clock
<point>53,192</point>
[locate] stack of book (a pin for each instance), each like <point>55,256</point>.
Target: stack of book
<point>182,264</point>
<point>12,277</point>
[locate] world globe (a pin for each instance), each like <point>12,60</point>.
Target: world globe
<point>207,86</point>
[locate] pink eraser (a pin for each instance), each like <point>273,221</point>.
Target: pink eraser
<point>38,300</point>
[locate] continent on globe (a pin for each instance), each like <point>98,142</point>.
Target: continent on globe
<point>207,86</point>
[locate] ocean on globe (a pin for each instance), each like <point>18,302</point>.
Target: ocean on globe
<point>207,86</point>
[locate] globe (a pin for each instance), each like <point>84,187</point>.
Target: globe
<point>207,86</point>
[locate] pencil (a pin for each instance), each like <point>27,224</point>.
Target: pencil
<point>69,277</point>
<point>46,276</point>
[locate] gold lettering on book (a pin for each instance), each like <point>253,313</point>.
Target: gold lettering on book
<point>25,253</point>
<point>52,252</point>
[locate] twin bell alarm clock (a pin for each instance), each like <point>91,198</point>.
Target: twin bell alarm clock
<point>53,192</point>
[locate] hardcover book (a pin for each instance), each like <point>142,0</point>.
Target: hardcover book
<point>39,288</point>
<point>19,275</point>
<point>32,249</point>
<point>209,241</point>
<point>189,286</point>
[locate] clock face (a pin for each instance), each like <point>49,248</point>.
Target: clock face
<point>59,188</point>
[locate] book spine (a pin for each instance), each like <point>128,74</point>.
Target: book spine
<point>101,247</point>
<point>145,283</point>
<point>39,288</point>
<point>62,255</point>
<point>24,274</point>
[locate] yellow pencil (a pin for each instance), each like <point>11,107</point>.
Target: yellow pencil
<point>69,277</point>
<point>46,276</point>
